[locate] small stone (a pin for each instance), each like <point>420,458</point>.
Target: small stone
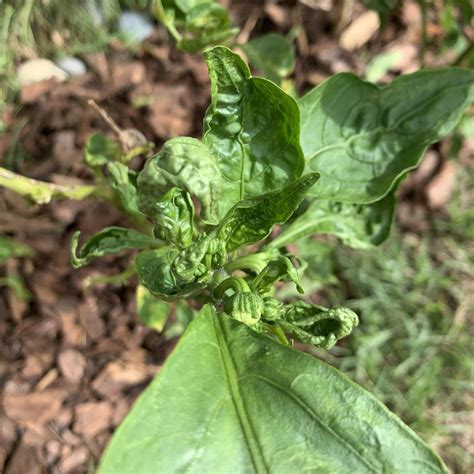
<point>135,26</point>
<point>73,66</point>
<point>36,70</point>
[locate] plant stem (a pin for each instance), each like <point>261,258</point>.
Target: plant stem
<point>255,263</point>
<point>280,335</point>
<point>239,285</point>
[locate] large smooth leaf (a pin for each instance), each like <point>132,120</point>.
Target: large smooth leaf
<point>361,137</point>
<point>231,400</point>
<point>184,163</point>
<point>251,220</point>
<point>252,127</point>
<point>359,226</point>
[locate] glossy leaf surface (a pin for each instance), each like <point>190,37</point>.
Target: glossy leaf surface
<point>184,163</point>
<point>252,220</point>
<point>231,400</point>
<point>361,137</point>
<point>106,242</point>
<point>252,127</point>
<point>359,226</point>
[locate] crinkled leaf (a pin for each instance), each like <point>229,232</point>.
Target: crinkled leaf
<point>272,54</point>
<point>152,311</point>
<point>155,269</point>
<point>106,242</point>
<point>357,225</point>
<point>174,218</point>
<point>252,127</point>
<point>361,137</point>
<point>184,163</point>
<point>11,248</point>
<point>101,150</point>
<point>316,325</point>
<point>275,270</point>
<point>124,182</point>
<point>251,220</point>
<point>231,400</point>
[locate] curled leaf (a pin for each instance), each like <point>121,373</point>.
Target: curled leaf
<point>316,325</point>
<point>252,220</point>
<point>106,242</point>
<point>277,269</point>
<point>185,163</point>
<point>155,269</point>
<point>174,219</point>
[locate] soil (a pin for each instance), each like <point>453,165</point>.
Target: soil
<point>74,357</point>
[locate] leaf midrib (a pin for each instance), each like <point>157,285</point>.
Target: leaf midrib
<point>252,442</point>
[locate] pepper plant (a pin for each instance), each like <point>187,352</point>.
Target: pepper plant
<point>235,395</point>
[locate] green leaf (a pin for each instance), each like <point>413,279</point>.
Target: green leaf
<point>252,220</point>
<point>252,127</point>
<point>275,270</point>
<point>361,137</point>
<point>11,248</point>
<point>152,311</point>
<point>195,24</point>
<point>316,325</point>
<point>16,284</point>
<point>231,400</point>
<point>184,314</point>
<point>156,272</point>
<point>124,182</point>
<point>101,150</point>
<point>272,54</point>
<point>106,242</point>
<point>359,226</point>
<point>184,163</point>
<point>174,218</point>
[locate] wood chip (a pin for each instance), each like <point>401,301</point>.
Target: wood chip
<point>72,365</point>
<point>92,418</point>
<point>440,189</point>
<point>74,462</point>
<point>117,377</point>
<point>360,31</point>
<point>91,320</point>
<point>37,406</point>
